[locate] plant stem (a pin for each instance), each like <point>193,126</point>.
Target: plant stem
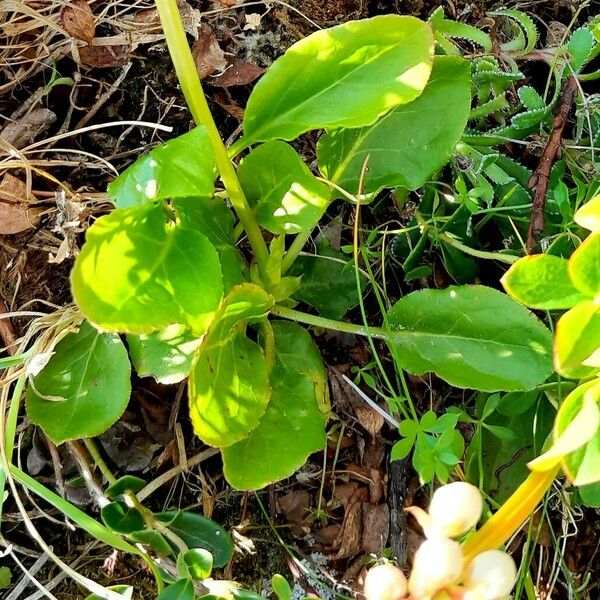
<point>99,461</point>
<point>300,317</point>
<point>294,250</point>
<point>194,95</point>
<point>511,515</point>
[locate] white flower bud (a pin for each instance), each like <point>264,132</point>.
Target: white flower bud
<point>454,509</point>
<point>385,582</point>
<point>491,575</point>
<point>437,564</point>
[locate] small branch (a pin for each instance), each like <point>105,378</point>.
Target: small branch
<point>541,177</point>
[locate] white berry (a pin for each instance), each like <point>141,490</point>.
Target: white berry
<point>385,582</point>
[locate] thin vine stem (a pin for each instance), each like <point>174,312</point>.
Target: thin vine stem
<point>194,95</point>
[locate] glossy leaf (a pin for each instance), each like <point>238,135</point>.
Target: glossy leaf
<point>588,215</point>
<point>180,590</point>
<point>83,389</point>
<point>139,271</point>
<point>345,76</point>
<point>213,218</point>
<point>577,338</point>
<point>197,562</point>
<point>199,532</point>
<point>229,387</point>
<point>471,336</point>
<point>121,518</point>
<point>165,355</point>
<point>153,540</point>
<point>584,266</point>
<point>590,494</point>
<point>407,145</point>
<point>183,166</point>
<point>293,425</point>
<point>542,281</point>
<point>127,483</point>
<point>317,273</point>
<point>285,196</point>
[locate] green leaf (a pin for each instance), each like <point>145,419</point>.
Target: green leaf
<point>199,532</point>
<point>153,540</point>
<point>318,271</point>
<point>542,281</point>
<point>293,425</point>
<point>584,266</point>
<point>180,590</point>
<point>409,144</point>
<point>139,271</point>
<point>229,386</point>
<point>123,590</point>
<point>165,355</point>
<point>127,483</point>
<point>281,587</point>
<point>401,449</point>
<point>285,196</point>
<point>83,389</point>
<point>183,166</point>
<point>5,577</point>
<point>213,218</point>
<point>471,336</point>
<point>590,495</point>
<point>121,518</point>
<point>198,562</point>
<point>345,76</point>
<point>579,47</point>
<point>577,338</point>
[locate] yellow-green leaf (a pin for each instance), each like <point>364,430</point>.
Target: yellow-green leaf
<point>588,215</point>
<point>584,266</point>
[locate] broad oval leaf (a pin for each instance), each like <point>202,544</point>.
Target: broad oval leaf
<point>471,336</point>
<point>588,215</point>
<point>407,145</point>
<point>199,532</point>
<point>285,196</point>
<point>577,338</point>
<point>542,281</point>
<point>345,76</point>
<point>183,166</point>
<point>139,271</point>
<point>293,425</point>
<point>229,386</point>
<point>584,266</point>
<point>165,355</point>
<point>83,389</point>
<point>183,589</point>
<point>122,518</point>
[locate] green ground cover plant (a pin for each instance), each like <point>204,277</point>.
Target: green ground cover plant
<point>197,273</point>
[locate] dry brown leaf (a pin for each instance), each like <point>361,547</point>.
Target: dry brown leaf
<point>103,56</point>
<point>371,420</point>
<point>349,539</point>
<point>16,215</point>
<point>295,506</point>
<point>376,528</point>
<point>77,19</point>
<point>327,535</point>
<point>147,21</point>
<point>207,53</point>
<point>239,72</point>
<point>24,130</point>
<point>227,3</point>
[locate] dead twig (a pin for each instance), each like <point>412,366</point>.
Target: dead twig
<point>540,178</point>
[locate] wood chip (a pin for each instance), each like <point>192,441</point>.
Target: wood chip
<point>16,214</point>
<point>239,72</point>
<point>207,53</point>
<point>77,19</point>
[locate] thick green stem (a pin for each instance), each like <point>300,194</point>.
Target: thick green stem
<point>294,250</point>
<point>194,95</point>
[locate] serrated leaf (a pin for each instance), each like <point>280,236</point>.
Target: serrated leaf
<point>588,215</point>
<point>165,355</point>
<point>293,425</point>
<point>183,166</point>
<point>579,47</point>
<point>83,389</point>
<point>584,266</point>
<point>471,336</point>
<point>344,76</point>
<point>542,282</point>
<point>577,338</point>
<point>317,272</point>
<point>530,98</point>
<point>229,387</point>
<point>199,532</point>
<point>139,271</point>
<point>285,196</point>
<point>406,146</point>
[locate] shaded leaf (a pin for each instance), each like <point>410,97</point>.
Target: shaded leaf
<point>121,518</point>
<point>471,336</point>
<point>127,483</point>
<point>83,389</point>
<point>229,388</point>
<point>208,55</point>
<point>180,590</point>
<point>407,145</point>
<point>345,76</point>
<point>152,539</point>
<point>293,425</point>
<point>138,272</point>
<point>179,168</point>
